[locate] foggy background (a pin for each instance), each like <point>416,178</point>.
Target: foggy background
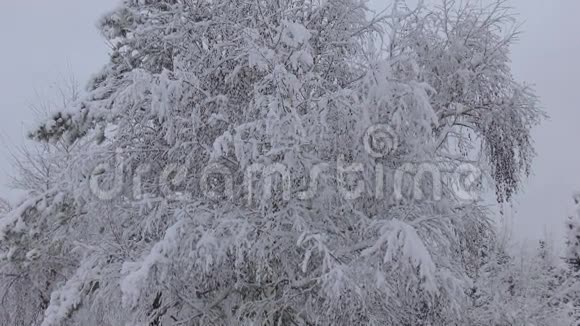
<point>44,41</point>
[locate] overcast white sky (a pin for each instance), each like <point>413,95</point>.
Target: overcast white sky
<point>40,39</point>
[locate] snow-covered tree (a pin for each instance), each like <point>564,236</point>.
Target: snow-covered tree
<point>529,288</point>
<point>37,166</point>
<point>226,93</point>
<point>572,255</point>
<point>573,237</point>
<point>33,266</point>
